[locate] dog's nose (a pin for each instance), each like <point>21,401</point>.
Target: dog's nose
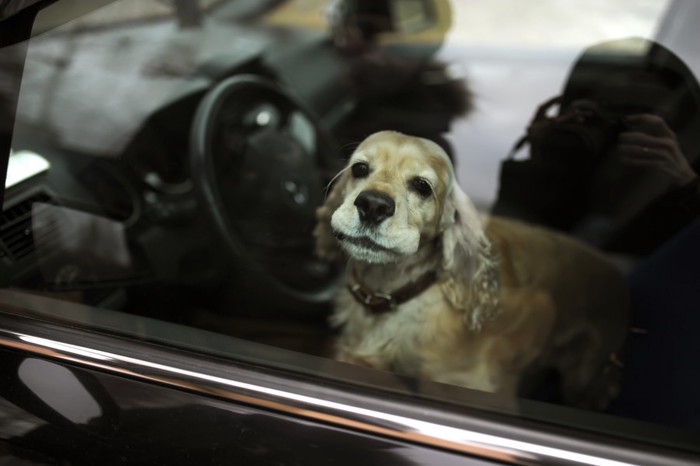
<point>374,207</point>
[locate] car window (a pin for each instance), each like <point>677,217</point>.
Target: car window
<point>480,204</point>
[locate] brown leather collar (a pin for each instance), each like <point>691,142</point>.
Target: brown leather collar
<point>379,303</point>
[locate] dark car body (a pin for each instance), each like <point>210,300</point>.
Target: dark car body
<point>161,303</point>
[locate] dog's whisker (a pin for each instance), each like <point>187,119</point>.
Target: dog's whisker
<point>327,188</point>
<point>352,144</point>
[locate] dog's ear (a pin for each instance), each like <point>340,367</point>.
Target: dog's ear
<point>327,246</point>
<point>469,270</point>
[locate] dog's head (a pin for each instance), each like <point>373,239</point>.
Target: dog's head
<point>398,193</point>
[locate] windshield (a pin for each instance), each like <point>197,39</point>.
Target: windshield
<point>489,205</point>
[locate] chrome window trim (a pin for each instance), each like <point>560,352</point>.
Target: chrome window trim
<point>415,422</point>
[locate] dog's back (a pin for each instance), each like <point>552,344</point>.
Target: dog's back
<point>589,297</point>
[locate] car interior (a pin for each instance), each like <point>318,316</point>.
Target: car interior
<point>195,203</point>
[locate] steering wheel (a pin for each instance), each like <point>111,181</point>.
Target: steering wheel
<point>257,161</point>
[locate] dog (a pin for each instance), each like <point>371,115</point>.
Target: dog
<point>435,290</point>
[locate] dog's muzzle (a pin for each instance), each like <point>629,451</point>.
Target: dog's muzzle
<point>374,207</point>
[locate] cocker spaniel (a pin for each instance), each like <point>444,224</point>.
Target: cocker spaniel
<point>436,291</point>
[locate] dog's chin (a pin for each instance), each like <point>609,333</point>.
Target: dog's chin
<point>368,255</point>
<point>365,250</point>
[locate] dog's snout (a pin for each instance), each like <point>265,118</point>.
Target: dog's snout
<point>374,206</point>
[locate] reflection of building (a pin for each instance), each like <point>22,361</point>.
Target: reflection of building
<point>681,23</point>
<point>425,21</point>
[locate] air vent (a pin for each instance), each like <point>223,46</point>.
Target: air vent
<point>16,227</point>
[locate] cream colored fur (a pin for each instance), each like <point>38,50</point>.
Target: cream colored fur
<point>511,301</point>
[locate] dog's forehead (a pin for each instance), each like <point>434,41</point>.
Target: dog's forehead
<point>405,155</point>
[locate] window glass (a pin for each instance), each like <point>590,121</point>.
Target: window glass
<point>194,173</point>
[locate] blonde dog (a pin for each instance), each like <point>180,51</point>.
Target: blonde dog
<point>434,290</point>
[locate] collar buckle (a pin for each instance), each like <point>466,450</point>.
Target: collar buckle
<point>373,300</point>
<point>378,302</point>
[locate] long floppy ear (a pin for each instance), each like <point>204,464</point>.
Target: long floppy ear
<point>470,272</point>
<point>326,245</point>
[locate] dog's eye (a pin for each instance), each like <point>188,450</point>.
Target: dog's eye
<point>421,186</point>
<point>360,170</point>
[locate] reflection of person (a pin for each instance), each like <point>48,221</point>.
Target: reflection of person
<point>618,167</point>
<point>620,156</point>
<point>660,378</point>
<point>650,142</point>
